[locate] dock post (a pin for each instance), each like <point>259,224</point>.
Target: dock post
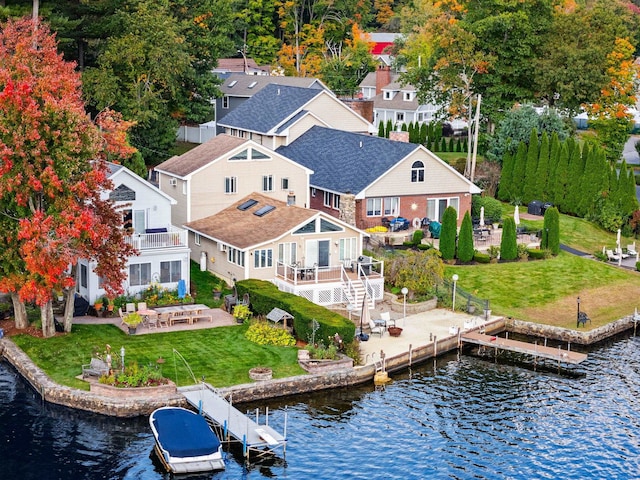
<point>410,354</point>
<point>435,346</point>
<point>225,431</point>
<point>199,407</point>
<point>266,416</point>
<point>244,446</point>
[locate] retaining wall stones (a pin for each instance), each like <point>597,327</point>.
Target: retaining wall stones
<point>397,304</point>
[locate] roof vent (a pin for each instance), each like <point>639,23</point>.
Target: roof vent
<point>253,84</point>
<point>360,143</point>
<point>278,91</point>
<point>233,83</point>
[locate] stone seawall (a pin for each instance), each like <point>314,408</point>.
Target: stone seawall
<point>580,337</point>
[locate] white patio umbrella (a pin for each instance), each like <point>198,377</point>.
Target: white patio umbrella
<point>482,216</point>
<point>618,248</point>
<point>516,216</point>
<point>364,319</point>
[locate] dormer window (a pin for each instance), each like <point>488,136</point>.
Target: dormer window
<point>408,96</point>
<point>388,95</point>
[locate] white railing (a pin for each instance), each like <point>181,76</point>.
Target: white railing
<point>144,241</point>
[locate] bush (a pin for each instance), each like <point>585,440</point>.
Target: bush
<point>482,257</point>
<point>135,376</point>
<point>465,240</point>
<point>262,333</point>
<point>425,246</point>
<point>418,235</point>
<point>537,254</point>
<point>492,208</point>
<point>638,266</point>
<point>448,233</point>
<point>509,244</point>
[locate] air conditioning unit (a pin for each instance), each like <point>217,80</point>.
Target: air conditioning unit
<point>173,182</point>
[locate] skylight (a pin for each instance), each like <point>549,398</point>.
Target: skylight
<point>233,83</point>
<point>253,84</point>
<point>264,210</point>
<point>247,205</point>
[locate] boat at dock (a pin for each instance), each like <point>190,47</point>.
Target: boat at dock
<point>185,443</point>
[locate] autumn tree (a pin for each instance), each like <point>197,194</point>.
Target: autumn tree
<point>52,177</point>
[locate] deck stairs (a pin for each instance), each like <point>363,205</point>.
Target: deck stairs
<point>354,293</point>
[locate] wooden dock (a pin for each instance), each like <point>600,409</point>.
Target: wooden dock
<point>535,350</point>
<point>256,439</point>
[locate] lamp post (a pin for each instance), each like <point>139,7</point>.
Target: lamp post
<point>578,318</point>
<point>122,357</point>
<point>404,291</point>
<point>453,302</point>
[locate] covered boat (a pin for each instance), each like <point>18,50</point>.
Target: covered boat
<point>185,442</point>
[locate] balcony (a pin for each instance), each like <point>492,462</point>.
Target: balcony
<point>157,238</point>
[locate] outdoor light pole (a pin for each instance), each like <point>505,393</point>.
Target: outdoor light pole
<point>578,319</point>
<point>122,357</point>
<point>455,280</point>
<point>404,291</point>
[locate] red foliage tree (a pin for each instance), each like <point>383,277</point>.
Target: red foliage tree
<point>53,176</point>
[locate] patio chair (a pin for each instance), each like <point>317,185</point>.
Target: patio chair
<point>621,254</point>
<point>376,329</point>
<point>121,315</point>
<point>386,316</point>
<point>130,308</point>
<point>631,249</point>
<point>231,300</point>
<point>612,256</point>
<point>245,300</point>
<point>142,306</point>
<point>163,319</point>
<point>152,321</point>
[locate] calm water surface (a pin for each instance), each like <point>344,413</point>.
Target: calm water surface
<point>466,418</point>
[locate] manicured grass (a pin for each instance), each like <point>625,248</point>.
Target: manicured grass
<point>222,355</point>
<point>545,291</point>
<point>204,284</point>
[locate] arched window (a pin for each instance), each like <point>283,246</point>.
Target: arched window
<point>417,172</point>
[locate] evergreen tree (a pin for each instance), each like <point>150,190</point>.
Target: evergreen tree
<point>629,200</point>
<point>404,127</point>
<point>381,132</point>
<point>518,176</point>
<point>551,231</point>
<point>554,158</point>
<point>136,164</point>
<point>423,133</point>
<point>451,145</point>
<point>559,177</point>
<point>389,128</point>
<point>509,244</point>
<point>529,184</point>
<point>448,233</point>
<point>574,179</point>
<point>542,173</point>
<point>589,183</point>
<point>465,240</point>
<point>506,178</point>
<point>443,145</point>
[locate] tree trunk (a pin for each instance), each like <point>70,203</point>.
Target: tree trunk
<point>46,315</point>
<point>19,311</point>
<point>69,307</point>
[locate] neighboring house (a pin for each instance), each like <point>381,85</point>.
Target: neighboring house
<point>362,179</point>
<point>163,250</point>
<point>381,45</point>
<point>212,176</point>
<point>303,251</point>
<point>244,65</point>
<point>279,114</point>
<point>238,88</point>
<point>393,101</point>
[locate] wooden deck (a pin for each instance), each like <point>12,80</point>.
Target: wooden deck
<point>492,341</point>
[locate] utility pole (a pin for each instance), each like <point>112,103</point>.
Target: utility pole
<point>475,139</point>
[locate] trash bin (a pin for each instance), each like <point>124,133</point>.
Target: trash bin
<point>535,207</point>
<point>544,207</point>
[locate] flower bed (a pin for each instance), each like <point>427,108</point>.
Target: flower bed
<point>322,366</point>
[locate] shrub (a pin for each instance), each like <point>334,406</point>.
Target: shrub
<point>425,246</point>
<point>420,272</point>
<point>509,245</point>
<point>418,235</point>
<point>551,231</point>
<point>638,266</point>
<point>448,233</point>
<point>262,333</point>
<point>482,257</point>
<point>322,352</point>
<point>523,253</point>
<point>465,241</point>
<point>537,254</point>
<point>493,251</point>
<point>135,376</point>
<point>492,208</point>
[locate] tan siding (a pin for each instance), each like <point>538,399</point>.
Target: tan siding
<point>178,211</point>
<point>302,126</point>
<point>337,115</point>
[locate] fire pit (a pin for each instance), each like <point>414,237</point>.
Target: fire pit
<point>395,331</point>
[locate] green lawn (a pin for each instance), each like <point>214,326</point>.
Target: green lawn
<point>222,355</point>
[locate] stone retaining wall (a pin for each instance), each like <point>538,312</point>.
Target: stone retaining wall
<point>139,393</point>
<point>397,304</point>
<point>580,337</point>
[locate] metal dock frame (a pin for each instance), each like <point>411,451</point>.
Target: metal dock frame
<point>232,425</point>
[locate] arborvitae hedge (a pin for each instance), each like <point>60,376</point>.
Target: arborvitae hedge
<point>448,233</point>
<point>509,243</point>
<point>551,231</point>
<point>465,240</point>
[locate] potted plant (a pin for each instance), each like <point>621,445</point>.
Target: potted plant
<point>108,303</point>
<point>132,320</point>
<point>241,313</point>
<point>98,305</point>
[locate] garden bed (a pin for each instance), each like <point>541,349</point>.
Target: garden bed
<point>322,366</point>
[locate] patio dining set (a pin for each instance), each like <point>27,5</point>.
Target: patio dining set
<point>159,317</point>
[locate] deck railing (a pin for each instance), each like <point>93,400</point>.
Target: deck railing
<point>176,237</point>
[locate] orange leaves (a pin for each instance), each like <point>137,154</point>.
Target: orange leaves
<point>114,133</point>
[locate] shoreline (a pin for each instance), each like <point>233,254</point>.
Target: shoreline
<point>132,405</point>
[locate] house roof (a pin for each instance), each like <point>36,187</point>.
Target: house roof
<point>370,79</point>
<point>238,65</point>
<point>243,229</point>
<point>198,157</point>
<point>360,159</point>
<point>269,108</point>
<point>249,85</point>
<point>116,170</point>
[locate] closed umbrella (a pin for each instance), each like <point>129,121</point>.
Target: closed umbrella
<point>482,216</point>
<point>618,248</point>
<point>364,319</point>
<point>516,216</point>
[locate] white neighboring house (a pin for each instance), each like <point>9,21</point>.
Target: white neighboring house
<point>163,251</point>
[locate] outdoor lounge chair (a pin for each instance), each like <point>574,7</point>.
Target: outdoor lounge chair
<point>612,256</point>
<point>376,329</point>
<point>621,254</point>
<point>386,316</point>
<point>631,249</point>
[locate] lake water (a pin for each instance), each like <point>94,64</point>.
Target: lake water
<point>466,418</point>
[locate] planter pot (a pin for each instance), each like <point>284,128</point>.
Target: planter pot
<point>260,374</point>
<point>217,294</point>
<point>471,309</point>
<point>395,331</point>
<point>132,330</point>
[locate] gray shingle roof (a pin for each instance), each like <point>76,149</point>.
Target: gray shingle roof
<point>269,108</point>
<point>242,83</point>
<point>343,161</point>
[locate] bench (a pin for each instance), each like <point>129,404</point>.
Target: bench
<point>203,316</point>
<point>96,368</point>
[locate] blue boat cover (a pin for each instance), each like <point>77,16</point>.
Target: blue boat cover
<point>184,433</point>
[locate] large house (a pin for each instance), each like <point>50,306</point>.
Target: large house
<point>363,179</point>
<point>217,173</point>
<point>303,251</point>
<point>164,254</point>
<point>278,114</point>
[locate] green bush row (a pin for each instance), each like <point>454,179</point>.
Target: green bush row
<point>481,257</point>
<point>265,296</point>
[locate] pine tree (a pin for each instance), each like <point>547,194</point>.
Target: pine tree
<point>465,240</point>
<point>551,231</point>
<point>518,176</point>
<point>423,133</point>
<point>542,173</point>
<point>560,177</point>
<point>554,158</point>
<point>443,144</point>
<point>458,145</point>
<point>574,179</point>
<point>506,178</point>
<point>529,185</point>
<point>404,127</point>
<point>389,128</point>
<point>451,145</point>
<point>381,132</point>
<point>508,244</point>
<point>589,182</point>
<point>448,233</point>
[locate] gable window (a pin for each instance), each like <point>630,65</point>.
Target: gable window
<point>225,102</point>
<point>327,226</point>
<point>388,95</point>
<point>263,258</point>
<point>170,272</point>
<point>284,184</point>
<point>374,207</point>
<point>257,155</point>
<point>267,183</point>
<point>417,172</point>
<point>407,96</point>
<point>336,202</point>
<point>196,238</point>
<point>307,228</point>
<point>230,184</point>
<point>243,155</point>
<point>392,206</point>
<point>235,256</point>
<point>139,274</point>
<point>328,198</point>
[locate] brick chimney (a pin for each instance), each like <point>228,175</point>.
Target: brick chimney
<point>383,78</point>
